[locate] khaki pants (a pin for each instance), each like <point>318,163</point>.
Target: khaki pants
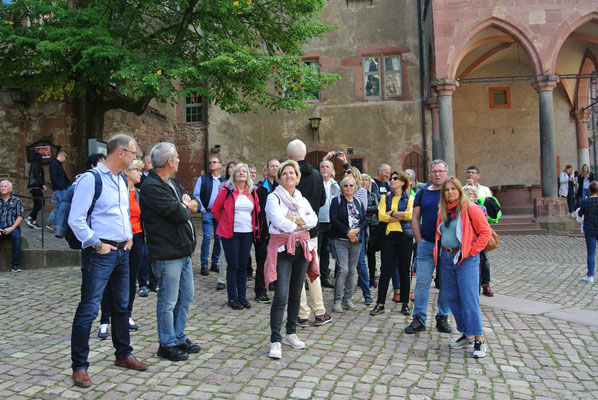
<point>315,295</point>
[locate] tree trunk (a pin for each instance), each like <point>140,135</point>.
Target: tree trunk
<point>90,125</point>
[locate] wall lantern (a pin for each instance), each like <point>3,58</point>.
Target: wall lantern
<point>314,123</point>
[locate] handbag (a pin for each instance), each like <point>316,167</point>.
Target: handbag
<point>492,242</point>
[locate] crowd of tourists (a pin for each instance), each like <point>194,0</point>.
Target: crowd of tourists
<point>132,220</point>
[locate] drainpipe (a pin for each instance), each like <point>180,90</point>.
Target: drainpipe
<point>207,138</point>
<point>421,86</point>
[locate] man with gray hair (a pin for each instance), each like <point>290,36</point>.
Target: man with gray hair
<point>106,237</point>
<point>380,184</point>
<point>423,223</point>
<point>166,213</point>
<point>11,216</point>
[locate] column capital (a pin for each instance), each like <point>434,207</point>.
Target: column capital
<point>445,87</point>
<point>545,83</point>
<point>581,115</point>
<point>432,103</point>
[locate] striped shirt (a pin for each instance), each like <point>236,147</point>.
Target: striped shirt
<point>9,211</point>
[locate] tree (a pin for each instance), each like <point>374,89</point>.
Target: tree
<point>121,54</point>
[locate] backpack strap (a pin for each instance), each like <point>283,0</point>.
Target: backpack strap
<point>97,193</point>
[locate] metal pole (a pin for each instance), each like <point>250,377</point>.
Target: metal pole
<point>43,224</point>
<point>592,85</point>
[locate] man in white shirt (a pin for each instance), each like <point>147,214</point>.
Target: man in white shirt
<point>473,177</point>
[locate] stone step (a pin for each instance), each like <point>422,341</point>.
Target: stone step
<point>536,231</point>
<point>515,226</point>
<point>508,219</point>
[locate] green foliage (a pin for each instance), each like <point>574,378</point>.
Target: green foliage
<point>238,54</point>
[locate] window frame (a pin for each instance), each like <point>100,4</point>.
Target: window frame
<point>492,90</point>
<point>382,72</point>
<point>198,104</point>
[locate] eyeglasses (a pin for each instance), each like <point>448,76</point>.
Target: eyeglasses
<point>348,185</point>
<point>348,172</point>
<point>438,172</point>
<point>129,151</point>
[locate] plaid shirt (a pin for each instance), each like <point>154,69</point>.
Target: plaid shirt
<point>9,211</point>
<point>589,209</point>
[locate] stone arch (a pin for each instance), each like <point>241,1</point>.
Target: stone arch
<point>462,41</point>
<point>581,90</point>
<point>568,26</point>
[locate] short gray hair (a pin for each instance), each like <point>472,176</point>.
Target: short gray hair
<point>439,161</point>
<point>161,153</point>
<point>411,174</point>
<point>296,149</point>
<point>119,141</point>
<point>327,161</point>
<point>383,166</point>
<point>472,188</point>
<point>9,183</point>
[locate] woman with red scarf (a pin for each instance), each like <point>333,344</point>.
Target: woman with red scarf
<point>462,233</point>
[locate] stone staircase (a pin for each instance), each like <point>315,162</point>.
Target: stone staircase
<point>522,224</point>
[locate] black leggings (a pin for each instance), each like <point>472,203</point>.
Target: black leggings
<point>38,202</point>
<point>396,253</point>
<point>371,253</point>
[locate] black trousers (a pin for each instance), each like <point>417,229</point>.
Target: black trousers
<point>396,253</point>
<point>38,202</point>
<point>261,251</point>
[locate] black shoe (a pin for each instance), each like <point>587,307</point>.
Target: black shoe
<point>143,291</point>
<point>214,267</point>
<point>153,289</point>
<point>442,325</point>
<point>189,347</point>
<point>204,271</point>
<point>172,353</point>
<point>16,268</point>
<point>405,310</point>
<point>415,326</point>
<point>245,303</point>
<point>378,309</point>
<point>327,283</point>
<point>235,305</point>
<point>220,286</point>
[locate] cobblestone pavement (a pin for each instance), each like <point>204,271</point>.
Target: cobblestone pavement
<point>354,357</point>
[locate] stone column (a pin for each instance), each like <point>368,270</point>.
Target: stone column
<point>444,89</point>
<point>581,129</point>
<point>432,105</point>
<point>544,85</point>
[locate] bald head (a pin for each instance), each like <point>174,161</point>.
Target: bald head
<point>296,150</point>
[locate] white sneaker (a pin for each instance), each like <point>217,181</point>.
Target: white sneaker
<point>293,341</point>
<point>479,349</point>
<point>103,332</point>
<point>463,341</point>
<point>588,279</point>
<point>275,351</point>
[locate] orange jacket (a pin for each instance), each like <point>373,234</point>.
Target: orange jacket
<point>473,235</point>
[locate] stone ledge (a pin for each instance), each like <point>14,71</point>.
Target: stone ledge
<point>35,259</point>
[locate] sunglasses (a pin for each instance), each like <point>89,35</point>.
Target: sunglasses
<point>348,172</point>
<point>348,185</point>
<point>394,178</point>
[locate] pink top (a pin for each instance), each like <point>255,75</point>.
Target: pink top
<point>277,240</point>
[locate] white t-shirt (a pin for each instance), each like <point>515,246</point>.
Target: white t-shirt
<point>243,210</point>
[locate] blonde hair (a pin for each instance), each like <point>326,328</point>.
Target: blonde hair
<point>369,178</point>
<point>283,165</point>
<point>348,178</point>
<point>463,197</point>
<point>231,180</point>
<point>136,164</point>
<point>357,177</point>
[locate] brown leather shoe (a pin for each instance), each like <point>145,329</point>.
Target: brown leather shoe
<point>132,363</point>
<point>81,379</point>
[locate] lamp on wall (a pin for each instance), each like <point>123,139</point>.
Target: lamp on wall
<point>18,97</point>
<point>314,123</point>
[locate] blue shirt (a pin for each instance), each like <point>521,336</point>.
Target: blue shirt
<point>428,204</point>
<point>110,217</point>
<point>215,188</point>
<point>9,211</point>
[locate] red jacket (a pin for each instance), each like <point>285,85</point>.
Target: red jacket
<point>223,210</point>
<point>474,233</point>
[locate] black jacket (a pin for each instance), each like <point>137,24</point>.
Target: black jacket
<point>37,177</point>
<point>311,187</point>
<point>166,223</point>
<point>58,177</point>
<point>262,195</point>
<point>339,217</point>
<point>580,183</point>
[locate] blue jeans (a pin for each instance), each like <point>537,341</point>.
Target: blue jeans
<point>363,277</point>
<point>209,226</point>
<point>290,271</point>
<point>460,284</point>
<point>236,251</point>
<point>99,270</point>
<point>425,269</point>
<point>591,249</point>
<point>135,258</point>
<point>175,279</point>
<point>15,238</point>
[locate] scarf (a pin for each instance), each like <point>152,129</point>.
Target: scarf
<point>451,212</point>
<point>293,203</point>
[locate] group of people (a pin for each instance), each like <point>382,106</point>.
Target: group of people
<point>295,217</point>
<point>575,186</point>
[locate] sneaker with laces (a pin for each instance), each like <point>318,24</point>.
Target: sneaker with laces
<point>415,326</point>
<point>303,322</point>
<point>487,291</point>
<point>132,325</point>
<point>348,305</point>
<point>29,222</point>
<point>588,279</point>
<point>275,351</point>
<point>479,349</point>
<point>293,341</point>
<point>263,298</point>
<point>16,268</point>
<point>442,325</point>
<point>103,332</point>
<point>337,307</point>
<point>322,319</point>
<point>143,291</point>
<point>463,341</point>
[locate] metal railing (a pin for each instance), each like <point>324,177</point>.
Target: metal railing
<point>43,212</point>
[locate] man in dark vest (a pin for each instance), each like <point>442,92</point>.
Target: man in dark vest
<point>206,189</point>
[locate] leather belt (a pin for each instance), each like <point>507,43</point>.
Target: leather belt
<point>450,251</point>
<point>118,245</point>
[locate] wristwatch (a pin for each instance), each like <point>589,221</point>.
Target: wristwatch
<point>98,246</point>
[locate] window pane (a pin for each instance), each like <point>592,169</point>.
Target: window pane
<point>499,98</point>
<point>392,63</point>
<point>372,85</point>
<point>371,64</point>
<point>392,86</point>
<point>316,66</point>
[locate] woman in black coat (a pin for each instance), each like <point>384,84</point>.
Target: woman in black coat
<point>584,179</point>
<point>36,187</point>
